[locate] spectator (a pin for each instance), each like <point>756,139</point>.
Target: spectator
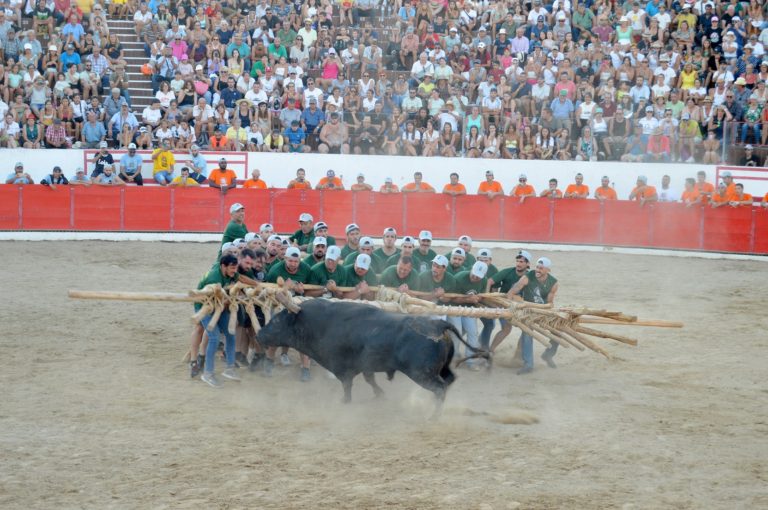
<point>108,178</point>
<point>454,187</point>
<point>490,187</point>
<point>418,185</point>
<point>361,185</point>
<point>184,179</point>
<point>130,167</point>
<point>222,178</point>
<point>300,182</point>
<point>552,191</point>
<point>523,190</point>
<point>54,179</point>
<point>666,192</point>
<point>255,181</point>
<point>605,191</point>
<point>163,163</point>
<point>388,186</point>
<point>578,189</point>
<point>19,176</point>
<point>80,178</point>
<point>643,193</point>
<point>330,181</point>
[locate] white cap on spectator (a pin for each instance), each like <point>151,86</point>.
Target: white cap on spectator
<point>293,252</point>
<point>319,225</point>
<point>52,47</point>
<point>351,227</point>
<point>27,46</point>
<point>274,237</point>
<point>479,269</point>
<point>465,239</point>
<point>544,261</point>
<point>726,174</point>
<point>484,252</point>
<point>194,147</point>
<point>388,180</point>
<point>481,45</point>
<point>333,253</point>
<point>524,254</point>
<point>250,236</point>
<point>320,240</point>
<point>748,147</point>
<point>407,240</point>
<point>131,146</point>
<point>440,260</point>
<point>266,227</point>
<point>306,217</point>
<point>459,251</point>
<point>503,31</point>
<point>238,242</point>
<point>366,241</point>
<point>198,67</point>
<point>227,246</point>
<point>390,230</point>
<point>363,261</point>
<point>425,234</point>
<point>523,176</point>
<point>235,207</point>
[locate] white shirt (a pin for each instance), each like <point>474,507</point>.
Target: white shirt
<point>245,83</point>
<point>668,195</point>
<point>316,94</point>
<point>648,125</point>
<point>256,97</point>
<point>663,19</point>
<point>151,115</point>
<point>533,16</point>
<point>668,73</point>
<point>144,18</point>
<point>203,114</point>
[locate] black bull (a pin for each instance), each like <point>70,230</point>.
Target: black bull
<point>351,338</point>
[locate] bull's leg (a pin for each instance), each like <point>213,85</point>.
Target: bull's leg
<point>436,385</point>
<point>346,382</point>
<point>370,378</point>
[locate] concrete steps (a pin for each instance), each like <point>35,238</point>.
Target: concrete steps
<point>140,86</point>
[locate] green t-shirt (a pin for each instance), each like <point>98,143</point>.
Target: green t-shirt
<point>300,238</point>
<point>214,275</point>
<point>319,275</point>
<point>393,260</point>
<point>423,262</point>
<point>379,259</point>
<point>536,291</point>
<point>233,231</point>
<point>279,270</point>
<point>350,256</point>
<point>428,284</point>
<point>464,285</point>
<point>345,252</point>
<point>389,278</point>
<point>492,270</point>
<point>269,265</point>
<point>353,278</point>
<point>456,270</point>
<point>506,279</point>
<point>310,260</point>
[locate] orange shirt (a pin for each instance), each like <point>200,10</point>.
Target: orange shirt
<point>719,199</point>
<point>294,184</point>
<point>258,184</point>
<point>744,197</point>
<point>227,175</point>
<point>492,186</point>
<point>730,190</point>
<point>606,193</point>
<point>422,187</point>
<point>454,188</point>
<point>705,187</point>
<point>361,187</point>
<point>765,199</point>
<point>581,189</point>
<point>218,142</point>
<point>689,197</point>
<point>556,193</point>
<point>522,190</point>
<point>392,189</point>
<point>325,181</point>
<point>649,191</point>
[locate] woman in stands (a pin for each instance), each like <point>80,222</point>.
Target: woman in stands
<point>67,116</point>
<point>235,63</point>
<point>510,143</point>
<point>300,52</point>
<point>545,144</point>
<point>331,67</point>
<point>491,143</point>
<point>473,142</point>
<point>263,120</point>
<point>586,147</point>
<point>527,145</point>
<point>390,146</point>
<point>115,52</point>
<point>449,140</point>
<point>410,142</point>
<point>563,145</point>
<point>165,95</point>
<point>430,140</point>
<point>353,98</point>
<point>31,133</point>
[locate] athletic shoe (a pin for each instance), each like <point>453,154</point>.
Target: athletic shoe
<point>305,375</point>
<point>548,359</point>
<point>231,374</point>
<point>269,365</point>
<point>240,359</point>
<point>525,370</point>
<point>285,360</point>
<point>210,379</point>
<point>201,360</point>
<point>194,369</point>
<point>256,363</point>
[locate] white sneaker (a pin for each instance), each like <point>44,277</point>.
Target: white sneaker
<point>285,360</point>
<point>210,379</point>
<point>690,160</point>
<point>231,374</point>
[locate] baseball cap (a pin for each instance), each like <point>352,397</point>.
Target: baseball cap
<point>544,261</point>
<point>465,239</point>
<point>351,227</point>
<point>563,92</point>
<point>235,207</point>
<point>330,173</point>
<point>642,178</point>
<point>194,147</point>
<point>274,237</point>
<point>227,246</point>
<point>19,164</point>
<point>250,236</point>
<point>390,230</point>
<point>585,63</point>
<point>131,146</point>
<point>320,240</point>
<point>366,241</point>
<point>726,174</point>
<point>649,109</point>
<point>238,242</point>
<point>425,234</point>
<point>293,252</point>
<point>440,260</point>
<point>481,45</point>
<point>484,252</point>
<point>523,176</point>
<point>79,170</point>
<point>407,240</point>
<point>319,225</point>
<point>388,180</point>
<point>198,67</point>
<point>524,254</point>
<point>333,253</point>
<point>305,217</point>
<point>748,147</point>
<point>363,261</point>
<point>479,269</point>
<point>103,145</point>
<point>459,251</point>
<point>503,31</point>
<point>266,227</point>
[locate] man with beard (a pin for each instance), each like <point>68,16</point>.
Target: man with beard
<point>328,273</point>
<point>437,281</point>
<point>319,245</point>
<point>503,281</point>
<point>353,240</point>
<point>302,238</point>
<point>274,243</point>
<point>364,246</point>
<point>407,246</point>
<point>424,256</point>
<point>362,278</point>
<point>381,255</point>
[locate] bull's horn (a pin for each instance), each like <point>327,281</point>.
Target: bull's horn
<point>284,298</point>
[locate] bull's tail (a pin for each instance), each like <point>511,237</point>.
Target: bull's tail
<point>451,331</point>
<point>445,372</point>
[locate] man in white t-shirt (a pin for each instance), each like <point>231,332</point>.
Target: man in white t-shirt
<point>256,95</point>
<point>537,11</point>
<point>312,92</point>
<point>666,193</point>
<point>665,70</point>
<point>152,114</point>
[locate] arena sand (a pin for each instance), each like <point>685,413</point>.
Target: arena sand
<point>98,412</point>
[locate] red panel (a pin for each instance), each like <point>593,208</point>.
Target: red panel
<point>376,211</point>
<point>338,212</point>
<point>727,228</point>
<point>9,207</point>
<point>576,221</point>
<point>676,226</point>
<point>527,221</point>
<point>478,217</point>
<point>147,209</point>
<point>288,204</point>
<point>44,208</point>
<point>428,211</point>
<point>761,231</point>
<point>97,208</point>
<point>197,210</point>
<point>626,223</point>
<point>256,202</point>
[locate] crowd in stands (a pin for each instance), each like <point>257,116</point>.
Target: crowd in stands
<point>650,80</point>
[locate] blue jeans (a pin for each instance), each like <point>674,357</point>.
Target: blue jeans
<point>485,334</point>
<point>745,131</point>
<point>164,177</point>
<point>466,325</point>
<point>213,341</point>
<point>527,348</point>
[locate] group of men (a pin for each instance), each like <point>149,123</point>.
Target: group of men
<point>311,263</point>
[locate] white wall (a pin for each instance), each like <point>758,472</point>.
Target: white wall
<point>278,169</point>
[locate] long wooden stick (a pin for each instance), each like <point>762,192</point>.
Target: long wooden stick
<point>603,334</point>
<point>133,296</point>
<point>649,323</point>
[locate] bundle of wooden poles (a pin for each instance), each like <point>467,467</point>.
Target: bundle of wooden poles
<point>566,326</point>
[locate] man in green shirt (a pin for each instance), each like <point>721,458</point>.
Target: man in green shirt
<point>362,278</point>
<point>328,273</point>
<point>470,283</point>
<point>321,230</point>
<point>437,281</point>
<point>582,20</point>
<point>274,243</point>
<point>503,281</point>
<point>484,255</point>
<point>537,286</point>
<point>353,242</point>
<point>465,243</point>
<point>407,246</point>
<point>381,255</point>
<point>457,259</point>
<point>236,228</point>
<point>365,245</point>
<point>424,255</point>
<point>302,238</point>
<point>319,246</point>
<point>224,274</point>
<point>401,276</point>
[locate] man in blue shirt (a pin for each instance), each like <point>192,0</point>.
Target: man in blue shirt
<point>69,57</point>
<point>562,109</point>
<point>72,30</point>
<point>230,95</point>
<point>312,119</point>
<point>295,137</point>
<point>93,132</point>
<point>198,165</point>
<point>130,166</point>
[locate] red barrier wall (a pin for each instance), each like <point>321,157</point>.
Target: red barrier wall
<point>615,223</point>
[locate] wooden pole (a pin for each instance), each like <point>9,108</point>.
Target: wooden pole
<point>133,296</point>
<point>649,323</point>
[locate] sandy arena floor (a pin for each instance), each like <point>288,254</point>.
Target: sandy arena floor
<point>98,412</point>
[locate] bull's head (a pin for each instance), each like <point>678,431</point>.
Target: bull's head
<point>280,331</point>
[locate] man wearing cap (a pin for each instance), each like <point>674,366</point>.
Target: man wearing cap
<point>503,281</point>
<point>523,190</point>
<point>236,228</point>
<point>100,159</point>
<point>328,273</point>
<point>562,109</point>
<point>80,178</point>
<point>130,166</point>
<point>365,246</point>
<point>303,237</point>
<point>749,158</point>
<point>389,186</point>
<point>605,191</point>
<point>353,240</point>
<point>456,261</point>
<point>319,246</point>
<point>361,185</point>
<point>381,255</point>
<point>424,255</point>
<point>361,276</point>
<point>330,181</point>
<point>437,281</point>
<point>222,178</point>
<point>321,230</point>
<point>401,276</point>
<point>470,283</point>
<point>642,192</point>
<point>537,286</point>
<point>490,187</point>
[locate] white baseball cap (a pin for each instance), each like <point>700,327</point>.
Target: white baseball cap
<point>320,240</point>
<point>407,240</point>
<point>366,241</point>
<point>351,227</point>
<point>306,217</point>
<point>266,227</point>
<point>544,261</point>
<point>235,207</point>
<point>425,234</point>
<point>227,246</point>
<point>293,252</point>
<point>524,254</point>
<point>459,251</point>
<point>250,236</point>
<point>333,253</point>
<point>363,261</point>
<point>440,260</point>
<point>238,242</point>
<point>274,237</point>
<point>479,269</point>
<point>390,230</point>
<point>484,252</point>
<point>466,239</point>
<point>131,146</point>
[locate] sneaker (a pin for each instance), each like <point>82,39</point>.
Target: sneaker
<point>548,359</point>
<point>690,160</point>
<point>231,374</point>
<point>240,359</point>
<point>305,375</point>
<point>194,369</point>
<point>256,363</point>
<point>210,379</point>
<point>285,360</point>
<point>269,365</point>
<point>525,370</point>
